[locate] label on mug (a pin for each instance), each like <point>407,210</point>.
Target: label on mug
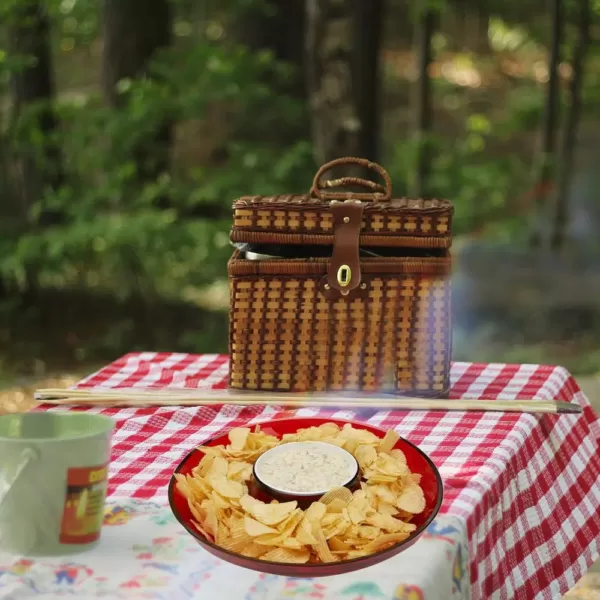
<point>84,505</point>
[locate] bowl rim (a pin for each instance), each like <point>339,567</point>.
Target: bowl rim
<point>381,553</point>
<point>293,494</point>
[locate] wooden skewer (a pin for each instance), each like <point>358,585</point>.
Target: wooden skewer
<point>189,397</point>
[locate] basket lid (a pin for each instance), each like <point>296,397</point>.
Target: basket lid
<point>309,219</point>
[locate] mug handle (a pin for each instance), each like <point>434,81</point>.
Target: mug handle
<point>28,455</point>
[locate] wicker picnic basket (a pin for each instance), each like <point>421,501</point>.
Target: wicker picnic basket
<point>350,291</point>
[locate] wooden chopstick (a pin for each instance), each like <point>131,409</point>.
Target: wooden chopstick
<point>195,397</point>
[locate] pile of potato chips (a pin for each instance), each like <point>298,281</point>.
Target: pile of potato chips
<point>376,517</point>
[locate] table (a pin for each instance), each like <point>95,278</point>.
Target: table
<point>521,499</point>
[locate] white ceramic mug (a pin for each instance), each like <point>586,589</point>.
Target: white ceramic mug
<point>53,481</point>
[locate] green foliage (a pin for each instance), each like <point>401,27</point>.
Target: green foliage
<point>504,37</point>
<point>481,188</point>
<point>77,22</point>
<point>417,10</point>
<point>114,235</point>
<point>524,110</point>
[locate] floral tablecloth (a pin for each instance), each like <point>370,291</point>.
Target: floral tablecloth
<point>145,553</point>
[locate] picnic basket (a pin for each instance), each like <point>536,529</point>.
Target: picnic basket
<point>339,290</point>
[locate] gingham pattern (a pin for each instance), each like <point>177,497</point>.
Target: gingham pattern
<point>528,487</point>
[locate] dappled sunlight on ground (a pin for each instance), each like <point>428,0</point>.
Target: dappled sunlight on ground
<point>587,589</point>
<point>20,398</point>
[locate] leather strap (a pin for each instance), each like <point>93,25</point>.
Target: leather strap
<point>344,269</point>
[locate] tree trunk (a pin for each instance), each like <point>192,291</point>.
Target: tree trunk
<point>423,104</point>
<point>33,86</point>
<point>280,29</point>
<point>544,168</point>
<point>478,19</point>
<point>278,26</point>
<point>368,32</point>
<point>335,125</point>
<point>134,30</point>
<point>561,193</point>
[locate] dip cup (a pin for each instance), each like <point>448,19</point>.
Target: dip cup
<point>304,499</point>
<point>53,480</point>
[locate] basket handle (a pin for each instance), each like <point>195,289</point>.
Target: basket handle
<point>378,192</point>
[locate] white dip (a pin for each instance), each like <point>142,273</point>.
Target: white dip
<point>306,467</point>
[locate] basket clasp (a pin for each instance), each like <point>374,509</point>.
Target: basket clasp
<point>344,273</point>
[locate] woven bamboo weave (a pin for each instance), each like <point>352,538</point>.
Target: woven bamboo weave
<point>409,223</point>
<point>291,332</point>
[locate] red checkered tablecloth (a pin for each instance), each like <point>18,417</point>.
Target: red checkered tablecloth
<point>528,487</point>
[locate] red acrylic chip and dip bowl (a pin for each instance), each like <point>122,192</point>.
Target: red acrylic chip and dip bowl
<point>417,460</point>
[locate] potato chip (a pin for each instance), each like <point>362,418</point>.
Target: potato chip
<point>316,511</point>
<point>199,487</point>
<point>336,442</point>
<point>202,530</point>
<point>270,539</point>
<point>336,529</point>
<point>337,493</point>
<point>389,441</point>
<point>228,488</point>
<point>351,445</point>
<point>239,471</point>
<point>329,429</point>
<point>337,505</point>
<point>211,523</point>
<point>359,507</point>
<point>403,515</point>
<point>204,466</point>
<point>196,510</point>
<point>238,538</point>
<point>412,499</point>
<point>182,485</point>
<point>387,509</point>
<point>359,553</point>
<point>287,527</point>
<point>386,469</point>
<point>384,493</point>
<point>321,546</point>
<point>389,465</point>
<point>304,533</point>
<point>220,502</point>
<point>268,514</point>
<point>219,466</point>
<point>398,455</point>
<point>366,456</point>
<point>362,435</point>
<point>254,550</point>
<point>330,519</point>
<point>368,532</point>
<point>237,438</point>
<point>338,545</point>
<point>254,528</point>
<point>212,450</point>
<point>384,541</point>
<point>287,555</point>
<point>389,523</point>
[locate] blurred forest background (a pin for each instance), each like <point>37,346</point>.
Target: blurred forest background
<point>128,127</point>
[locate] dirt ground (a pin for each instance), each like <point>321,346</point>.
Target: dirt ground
<point>19,398</point>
